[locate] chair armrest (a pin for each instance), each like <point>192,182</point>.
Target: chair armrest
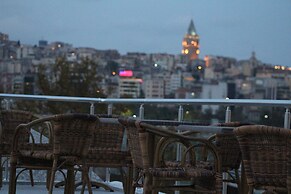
<point>26,128</point>
<point>163,144</point>
<point>168,133</point>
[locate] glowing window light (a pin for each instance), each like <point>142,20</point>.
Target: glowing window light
<point>126,73</point>
<point>186,51</point>
<point>198,52</point>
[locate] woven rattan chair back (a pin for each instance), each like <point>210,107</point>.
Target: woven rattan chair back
<point>73,134</point>
<point>228,147</point>
<point>108,149</point>
<point>134,143</point>
<point>10,119</point>
<point>108,136</point>
<point>265,153</point>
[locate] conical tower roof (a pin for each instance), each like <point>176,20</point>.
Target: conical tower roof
<point>191,29</point>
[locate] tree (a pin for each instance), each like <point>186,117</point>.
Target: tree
<point>64,78</point>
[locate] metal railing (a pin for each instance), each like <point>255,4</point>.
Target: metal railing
<point>6,99</point>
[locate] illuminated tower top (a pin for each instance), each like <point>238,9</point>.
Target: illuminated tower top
<point>190,44</point>
<point>191,29</point>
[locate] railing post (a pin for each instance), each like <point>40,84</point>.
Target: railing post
<point>227,115</point>
<point>107,170</point>
<point>109,109</point>
<point>180,118</point>
<point>92,108</point>
<point>92,111</point>
<point>141,112</point>
<point>181,113</point>
<point>179,149</point>
<point>287,119</point>
<point>225,175</point>
<point>6,104</point>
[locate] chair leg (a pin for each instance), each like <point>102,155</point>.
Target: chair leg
<point>128,186</point>
<point>251,190</point>
<point>147,185</point>
<point>70,184</point>
<point>1,172</point>
<point>12,179</point>
<point>86,180</point>
<point>218,183</point>
<point>237,178</point>
<point>52,177</point>
<point>48,176</point>
<point>31,178</point>
<point>83,183</point>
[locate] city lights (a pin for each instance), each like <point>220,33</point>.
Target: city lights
<point>126,73</point>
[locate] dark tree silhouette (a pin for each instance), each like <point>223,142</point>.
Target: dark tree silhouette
<point>64,78</point>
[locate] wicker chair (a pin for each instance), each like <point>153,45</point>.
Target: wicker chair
<point>107,150</point>
<point>229,151</point>
<point>71,138</point>
<point>148,145</point>
<point>9,120</point>
<point>266,157</point>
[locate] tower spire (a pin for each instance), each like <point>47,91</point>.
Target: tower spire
<point>191,29</point>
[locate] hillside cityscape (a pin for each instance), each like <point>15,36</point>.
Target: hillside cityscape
<point>148,75</point>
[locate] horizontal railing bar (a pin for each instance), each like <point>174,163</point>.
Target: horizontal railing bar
<point>171,122</point>
<point>226,102</point>
<point>205,129</point>
<point>109,120</point>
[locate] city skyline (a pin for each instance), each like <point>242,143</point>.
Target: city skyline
<point>226,28</point>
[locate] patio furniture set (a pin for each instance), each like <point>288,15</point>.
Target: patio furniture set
<point>155,157</point>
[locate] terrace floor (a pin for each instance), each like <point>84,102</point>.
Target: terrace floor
<point>25,188</point>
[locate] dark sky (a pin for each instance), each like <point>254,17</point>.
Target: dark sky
<point>232,28</point>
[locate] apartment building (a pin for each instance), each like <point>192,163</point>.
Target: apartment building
<point>129,87</point>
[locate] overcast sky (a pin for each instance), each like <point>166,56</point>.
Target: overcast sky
<point>232,28</point>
